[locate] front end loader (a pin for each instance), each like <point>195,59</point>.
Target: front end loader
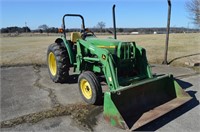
<point>132,96</point>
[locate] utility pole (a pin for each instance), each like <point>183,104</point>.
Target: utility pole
<point>26,26</point>
<point>167,34</point>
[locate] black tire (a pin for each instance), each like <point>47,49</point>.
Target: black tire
<point>60,72</point>
<point>97,97</point>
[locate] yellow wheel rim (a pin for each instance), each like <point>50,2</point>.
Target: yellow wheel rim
<point>52,63</point>
<point>86,89</point>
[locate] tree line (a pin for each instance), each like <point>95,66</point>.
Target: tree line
<point>16,29</point>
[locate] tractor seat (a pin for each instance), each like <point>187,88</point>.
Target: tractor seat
<point>75,36</point>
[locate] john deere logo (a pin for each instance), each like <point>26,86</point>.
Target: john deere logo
<point>103,57</point>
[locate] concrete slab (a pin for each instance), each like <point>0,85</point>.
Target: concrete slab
<point>19,96</point>
<point>167,69</point>
<point>26,90</point>
<point>67,93</point>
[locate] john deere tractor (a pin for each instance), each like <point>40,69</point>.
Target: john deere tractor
<point>133,96</point>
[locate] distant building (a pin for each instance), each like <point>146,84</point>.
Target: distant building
<point>155,33</point>
<point>134,33</point>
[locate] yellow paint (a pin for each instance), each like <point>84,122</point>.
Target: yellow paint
<point>86,89</point>
<point>52,63</point>
<point>109,47</point>
<point>75,36</point>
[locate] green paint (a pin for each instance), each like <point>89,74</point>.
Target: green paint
<point>96,69</point>
<point>69,50</point>
<point>111,112</point>
<point>179,91</point>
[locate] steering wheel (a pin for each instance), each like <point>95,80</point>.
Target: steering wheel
<point>87,33</point>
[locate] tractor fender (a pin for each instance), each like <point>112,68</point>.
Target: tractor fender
<point>58,40</point>
<point>68,47</point>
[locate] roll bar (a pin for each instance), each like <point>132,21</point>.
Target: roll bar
<point>72,15</point>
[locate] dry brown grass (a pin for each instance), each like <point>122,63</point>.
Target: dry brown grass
<point>26,50</point>
<point>182,47</point>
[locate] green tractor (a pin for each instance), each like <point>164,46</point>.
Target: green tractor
<point>132,96</point>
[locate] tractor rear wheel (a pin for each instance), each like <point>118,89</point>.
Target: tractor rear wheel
<point>58,62</point>
<point>90,88</point>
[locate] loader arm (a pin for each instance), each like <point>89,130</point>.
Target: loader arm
<point>108,66</point>
<point>103,56</point>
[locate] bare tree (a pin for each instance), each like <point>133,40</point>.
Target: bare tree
<point>44,27</point>
<point>101,25</point>
<point>193,7</point>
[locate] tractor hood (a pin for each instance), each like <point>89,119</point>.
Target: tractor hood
<point>108,43</point>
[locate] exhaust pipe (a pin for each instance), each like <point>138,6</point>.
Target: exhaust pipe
<point>114,22</point>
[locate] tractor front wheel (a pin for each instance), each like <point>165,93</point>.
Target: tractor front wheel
<point>90,88</point>
<point>58,62</point>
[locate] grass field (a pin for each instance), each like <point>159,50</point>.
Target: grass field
<point>26,50</point>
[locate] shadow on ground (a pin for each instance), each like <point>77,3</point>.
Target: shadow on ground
<point>72,79</point>
<point>183,84</point>
<point>182,57</point>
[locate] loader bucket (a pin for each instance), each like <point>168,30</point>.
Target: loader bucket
<point>134,106</point>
